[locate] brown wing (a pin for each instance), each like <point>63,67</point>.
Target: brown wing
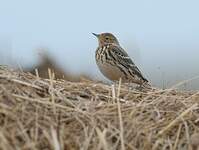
<point>117,53</point>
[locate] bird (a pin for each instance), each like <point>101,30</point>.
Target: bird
<point>114,62</point>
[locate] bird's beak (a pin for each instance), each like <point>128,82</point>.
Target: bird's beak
<point>97,35</point>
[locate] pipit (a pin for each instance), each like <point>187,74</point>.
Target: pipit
<point>114,63</point>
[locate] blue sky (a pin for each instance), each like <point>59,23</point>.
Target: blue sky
<point>160,36</point>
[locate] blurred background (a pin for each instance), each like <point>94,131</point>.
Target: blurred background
<point>162,37</point>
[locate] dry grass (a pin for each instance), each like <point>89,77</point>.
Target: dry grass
<point>38,113</point>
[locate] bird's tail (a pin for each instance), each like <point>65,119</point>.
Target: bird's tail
<point>147,85</point>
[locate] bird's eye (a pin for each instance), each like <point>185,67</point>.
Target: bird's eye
<point>107,38</point>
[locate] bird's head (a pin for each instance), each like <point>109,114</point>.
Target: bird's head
<point>106,38</point>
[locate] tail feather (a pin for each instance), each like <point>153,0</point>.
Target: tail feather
<point>147,85</point>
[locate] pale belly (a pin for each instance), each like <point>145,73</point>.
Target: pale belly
<point>111,72</point>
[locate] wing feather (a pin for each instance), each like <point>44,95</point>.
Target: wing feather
<point>123,58</point>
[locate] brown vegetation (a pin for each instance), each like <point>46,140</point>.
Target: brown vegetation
<point>37,113</point>
<point>47,62</point>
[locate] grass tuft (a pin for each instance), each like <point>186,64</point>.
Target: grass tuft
<point>37,113</point>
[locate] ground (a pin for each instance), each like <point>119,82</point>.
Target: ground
<point>37,113</point>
